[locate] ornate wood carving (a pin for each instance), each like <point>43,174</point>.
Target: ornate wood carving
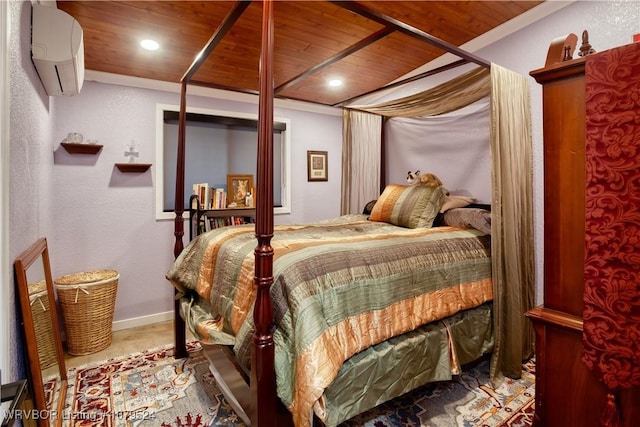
<point>561,49</point>
<point>585,48</point>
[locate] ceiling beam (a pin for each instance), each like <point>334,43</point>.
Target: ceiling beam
<point>337,57</point>
<point>409,30</point>
<point>216,38</point>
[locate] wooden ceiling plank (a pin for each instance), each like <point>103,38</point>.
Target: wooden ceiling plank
<point>329,37</point>
<point>303,57</point>
<point>367,61</point>
<point>215,39</point>
<point>504,11</point>
<point>322,20</point>
<point>337,57</point>
<point>412,31</point>
<point>454,21</point>
<point>221,87</point>
<point>127,16</point>
<point>306,34</point>
<point>400,49</point>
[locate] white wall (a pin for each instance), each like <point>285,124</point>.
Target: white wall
<point>31,195</point>
<point>7,321</point>
<point>106,219</point>
<point>453,146</point>
<point>609,23</point>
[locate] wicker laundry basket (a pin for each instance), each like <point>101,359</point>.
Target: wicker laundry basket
<point>42,322</point>
<point>87,301</point>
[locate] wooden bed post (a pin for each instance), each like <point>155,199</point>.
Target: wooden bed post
<point>233,15</point>
<point>263,379</point>
<point>180,349</point>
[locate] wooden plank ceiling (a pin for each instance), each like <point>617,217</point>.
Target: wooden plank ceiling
<point>315,41</point>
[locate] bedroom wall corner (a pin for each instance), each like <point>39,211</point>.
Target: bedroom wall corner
<point>29,148</point>
<point>6,321</point>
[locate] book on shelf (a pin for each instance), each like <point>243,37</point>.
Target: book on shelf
<point>202,191</point>
<point>207,223</point>
<point>212,223</point>
<point>218,199</point>
<point>210,197</point>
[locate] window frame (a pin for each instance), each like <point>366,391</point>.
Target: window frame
<point>161,215</point>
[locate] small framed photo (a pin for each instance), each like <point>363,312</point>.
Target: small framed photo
<point>317,166</point>
<point>240,191</point>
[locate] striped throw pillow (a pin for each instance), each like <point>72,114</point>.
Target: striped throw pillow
<point>409,206</point>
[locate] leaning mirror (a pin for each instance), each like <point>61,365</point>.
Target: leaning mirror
<point>43,340</point>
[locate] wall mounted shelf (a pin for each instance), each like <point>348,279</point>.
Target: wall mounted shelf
<point>133,167</point>
<point>74,148</point>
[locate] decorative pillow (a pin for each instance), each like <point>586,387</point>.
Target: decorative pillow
<point>451,202</point>
<point>480,219</point>
<point>408,206</point>
<point>369,207</point>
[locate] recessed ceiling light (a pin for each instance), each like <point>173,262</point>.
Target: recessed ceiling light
<point>335,83</point>
<point>149,44</point>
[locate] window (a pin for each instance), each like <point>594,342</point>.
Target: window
<point>217,143</point>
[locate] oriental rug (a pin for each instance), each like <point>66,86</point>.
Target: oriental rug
<point>151,388</point>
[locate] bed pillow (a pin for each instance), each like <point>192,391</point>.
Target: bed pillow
<point>480,219</point>
<point>410,206</point>
<point>451,202</point>
<point>369,207</point>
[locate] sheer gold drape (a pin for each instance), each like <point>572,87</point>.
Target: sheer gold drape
<point>512,197</point>
<point>512,243</point>
<point>449,96</point>
<point>362,138</point>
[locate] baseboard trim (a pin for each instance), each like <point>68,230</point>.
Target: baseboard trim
<point>142,321</point>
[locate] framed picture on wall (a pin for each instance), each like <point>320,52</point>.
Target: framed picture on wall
<point>240,191</point>
<point>317,166</point>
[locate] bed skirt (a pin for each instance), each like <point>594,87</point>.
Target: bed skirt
<point>433,352</point>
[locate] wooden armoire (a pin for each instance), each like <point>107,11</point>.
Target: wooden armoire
<point>568,393</point>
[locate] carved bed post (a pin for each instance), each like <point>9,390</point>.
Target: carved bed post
<point>179,323</point>
<point>263,382</point>
<point>180,350</point>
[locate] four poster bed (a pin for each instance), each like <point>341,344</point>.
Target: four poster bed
<point>336,317</point>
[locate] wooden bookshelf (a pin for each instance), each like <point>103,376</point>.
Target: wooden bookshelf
<point>196,215</point>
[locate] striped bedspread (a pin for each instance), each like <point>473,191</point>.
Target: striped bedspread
<point>340,286</point>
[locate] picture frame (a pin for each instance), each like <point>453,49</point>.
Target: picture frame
<point>317,166</point>
<point>240,191</point>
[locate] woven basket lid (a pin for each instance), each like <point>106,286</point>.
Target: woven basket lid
<point>37,287</point>
<point>86,277</point>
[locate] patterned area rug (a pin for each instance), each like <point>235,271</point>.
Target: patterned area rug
<point>151,388</point>
<point>468,400</point>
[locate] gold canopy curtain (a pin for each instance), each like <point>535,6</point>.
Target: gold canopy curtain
<point>512,195</point>
<point>362,139</point>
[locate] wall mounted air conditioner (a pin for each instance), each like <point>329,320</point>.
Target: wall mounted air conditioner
<point>57,50</point>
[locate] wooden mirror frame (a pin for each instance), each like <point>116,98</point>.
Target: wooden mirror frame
<point>47,416</point>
